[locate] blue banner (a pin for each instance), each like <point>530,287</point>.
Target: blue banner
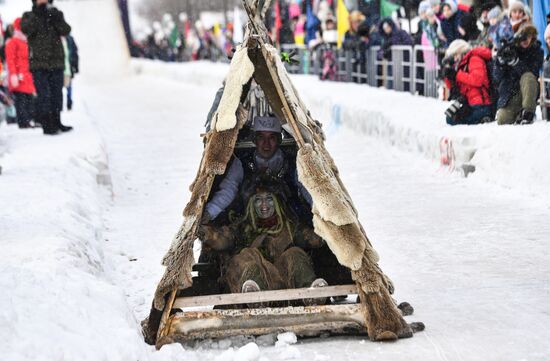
<point>540,9</point>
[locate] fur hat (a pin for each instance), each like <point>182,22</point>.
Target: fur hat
<point>423,7</point>
<point>458,47</point>
<point>517,6</point>
<point>267,124</point>
<point>526,31</point>
<point>494,13</point>
<point>452,5</point>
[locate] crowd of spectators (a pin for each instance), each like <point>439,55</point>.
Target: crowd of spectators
<point>487,56</point>
<point>39,58</point>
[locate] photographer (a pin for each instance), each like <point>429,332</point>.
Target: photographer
<point>465,71</point>
<point>517,69</point>
<point>44,27</point>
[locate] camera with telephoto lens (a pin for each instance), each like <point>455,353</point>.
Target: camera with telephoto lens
<point>447,64</point>
<point>508,52</point>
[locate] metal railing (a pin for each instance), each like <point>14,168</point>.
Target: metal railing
<point>413,69</point>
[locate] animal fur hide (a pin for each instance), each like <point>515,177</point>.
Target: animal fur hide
<point>240,72</point>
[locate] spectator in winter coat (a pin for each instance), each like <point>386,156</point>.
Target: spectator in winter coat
<point>517,76</point>
<point>352,39</point>
<point>468,78</point>
<point>450,24</point>
<point>469,24</point>
<point>500,27</point>
<point>44,27</point>
<point>391,35</point>
<point>20,80</point>
<point>519,15</point>
<point>429,25</point>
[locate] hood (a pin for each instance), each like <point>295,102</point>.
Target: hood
<point>17,24</point>
<point>388,21</point>
<point>482,52</point>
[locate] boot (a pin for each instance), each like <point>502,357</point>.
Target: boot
<point>48,125</point>
<point>319,282</point>
<point>251,286</point>
<point>59,125</point>
<point>527,117</point>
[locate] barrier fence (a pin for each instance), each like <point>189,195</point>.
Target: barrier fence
<point>413,69</point>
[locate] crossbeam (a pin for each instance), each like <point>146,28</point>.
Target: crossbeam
<point>264,296</point>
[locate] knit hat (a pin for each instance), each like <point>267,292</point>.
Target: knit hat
<point>517,6</point>
<point>452,5</point>
<point>267,124</point>
<point>434,2</point>
<point>423,7</point>
<point>458,47</point>
<point>494,13</point>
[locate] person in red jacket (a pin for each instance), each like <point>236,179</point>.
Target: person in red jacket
<point>20,81</point>
<point>465,71</point>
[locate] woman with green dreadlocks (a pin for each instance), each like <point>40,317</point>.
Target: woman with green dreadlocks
<point>267,247</point>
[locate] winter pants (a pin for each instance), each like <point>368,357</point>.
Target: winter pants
<point>525,98</point>
<point>293,269</point>
<point>24,105</point>
<point>49,88</point>
<point>478,113</point>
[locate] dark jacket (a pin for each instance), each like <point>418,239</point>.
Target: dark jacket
<point>507,77</point>
<point>44,26</point>
<point>396,37</point>
<point>449,27</point>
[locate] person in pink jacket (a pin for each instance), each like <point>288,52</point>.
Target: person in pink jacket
<point>20,81</point>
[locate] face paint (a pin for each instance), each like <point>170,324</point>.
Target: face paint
<point>264,204</point>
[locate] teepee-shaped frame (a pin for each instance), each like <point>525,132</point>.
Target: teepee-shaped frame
<point>335,218</point>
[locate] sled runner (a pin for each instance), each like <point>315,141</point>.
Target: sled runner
<point>190,302</point>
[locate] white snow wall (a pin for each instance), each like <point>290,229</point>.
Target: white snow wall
<point>97,29</point>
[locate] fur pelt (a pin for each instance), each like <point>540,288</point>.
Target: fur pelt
<point>383,319</point>
<point>330,201</point>
<point>240,72</point>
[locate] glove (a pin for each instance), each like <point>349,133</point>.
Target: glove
<point>14,81</point>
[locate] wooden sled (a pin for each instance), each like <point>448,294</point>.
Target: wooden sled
<point>348,262</point>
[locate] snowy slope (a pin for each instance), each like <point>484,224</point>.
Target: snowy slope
<point>513,157</point>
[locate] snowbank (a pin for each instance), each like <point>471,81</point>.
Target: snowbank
<point>510,156</point>
<point>57,302</point>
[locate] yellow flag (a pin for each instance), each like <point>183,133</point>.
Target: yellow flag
<point>343,21</point>
<point>217,30</point>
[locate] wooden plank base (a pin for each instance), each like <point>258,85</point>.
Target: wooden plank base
<point>304,321</point>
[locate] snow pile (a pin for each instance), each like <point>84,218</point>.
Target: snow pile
<point>200,73</point>
<point>510,156</point>
<point>97,29</point>
<point>57,302</point>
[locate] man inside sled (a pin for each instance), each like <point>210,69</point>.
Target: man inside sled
<point>267,246</point>
<point>267,158</point>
